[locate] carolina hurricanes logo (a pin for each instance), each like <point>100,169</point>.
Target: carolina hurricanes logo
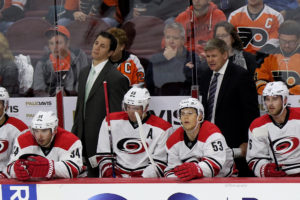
<point>3,145</point>
<point>131,145</point>
<point>285,145</point>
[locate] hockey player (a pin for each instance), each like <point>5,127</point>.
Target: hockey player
<point>273,147</point>
<point>45,152</point>
<point>197,149</point>
<point>131,159</point>
<point>128,64</point>
<point>10,128</point>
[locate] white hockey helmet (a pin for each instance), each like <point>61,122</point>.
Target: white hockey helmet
<point>44,120</point>
<point>191,103</point>
<point>4,96</point>
<point>276,88</point>
<point>137,97</point>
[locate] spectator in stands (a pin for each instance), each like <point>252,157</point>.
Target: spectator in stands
<point>8,68</point>
<point>206,16</point>
<point>172,65</point>
<point>128,64</point>
<point>10,128</point>
<point>59,67</point>
<point>226,31</point>
<point>10,11</point>
<point>230,99</point>
<point>257,24</point>
<point>46,151</point>
<point>282,63</point>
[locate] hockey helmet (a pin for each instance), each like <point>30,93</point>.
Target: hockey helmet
<point>4,96</point>
<point>276,88</point>
<point>45,120</point>
<point>137,97</point>
<point>191,103</point>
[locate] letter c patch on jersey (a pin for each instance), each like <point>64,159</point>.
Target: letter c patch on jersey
<point>3,145</point>
<point>253,35</point>
<point>285,145</point>
<point>131,145</point>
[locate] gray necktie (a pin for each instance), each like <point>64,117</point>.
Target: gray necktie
<point>211,97</point>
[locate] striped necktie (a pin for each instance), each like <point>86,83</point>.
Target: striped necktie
<point>211,97</point>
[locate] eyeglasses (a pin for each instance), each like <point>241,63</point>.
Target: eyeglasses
<point>222,36</point>
<point>288,42</point>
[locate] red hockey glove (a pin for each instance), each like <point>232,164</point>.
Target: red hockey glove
<point>21,171</point>
<point>269,170</point>
<point>188,171</point>
<point>40,167</point>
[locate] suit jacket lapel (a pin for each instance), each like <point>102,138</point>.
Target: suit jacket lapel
<point>101,77</point>
<point>225,82</point>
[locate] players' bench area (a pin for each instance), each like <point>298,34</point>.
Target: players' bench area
<point>154,189</point>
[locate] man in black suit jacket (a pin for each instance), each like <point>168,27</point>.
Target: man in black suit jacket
<point>90,108</point>
<point>235,104</point>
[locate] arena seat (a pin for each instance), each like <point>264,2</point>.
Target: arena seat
<point>84,33</point>
<point>26,36</point>
<point>145,34</point>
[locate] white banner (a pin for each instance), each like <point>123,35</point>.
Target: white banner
<point>163,106</point>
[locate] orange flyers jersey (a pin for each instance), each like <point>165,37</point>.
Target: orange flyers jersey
<point>276,67</point>
<point>133,70</point>
<point>256,33</point>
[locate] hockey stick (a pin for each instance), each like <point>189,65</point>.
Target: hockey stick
<point>109,128</point>
<point>263,132</point>
<point>142,136</point>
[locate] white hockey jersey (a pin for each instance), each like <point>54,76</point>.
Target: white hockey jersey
<point>285,142</point>
<point>131,158</point>
<point>66,152</point>
<point>210,151</point>
<point>9,131</point>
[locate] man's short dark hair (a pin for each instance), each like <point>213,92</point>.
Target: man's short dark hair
<point>113,41</point>
<point>216,43</point>
<point>290,27</point>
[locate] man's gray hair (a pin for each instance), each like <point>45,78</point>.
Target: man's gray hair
<point>216,43</point>
<point>176,26</point>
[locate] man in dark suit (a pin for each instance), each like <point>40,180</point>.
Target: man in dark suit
<point>230,99</point>
<point>90,108</point>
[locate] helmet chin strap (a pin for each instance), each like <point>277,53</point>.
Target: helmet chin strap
<point>3,114</point>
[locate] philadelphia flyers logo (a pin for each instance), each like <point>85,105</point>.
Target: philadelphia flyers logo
<point>131,145</point>
<point>285,145</point>
<point>254,36</point>
<point>3,145</point>
<point>291,78</point>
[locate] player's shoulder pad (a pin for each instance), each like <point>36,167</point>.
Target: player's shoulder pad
<point>64,139</point>
<point>175,137</point>
<point>206,130</point>
<point>260,121</point>
<point>158,122</point>
<point>294,113</point>
<point>26,140</point>
<point>20,125</point>
<point>118,116</point>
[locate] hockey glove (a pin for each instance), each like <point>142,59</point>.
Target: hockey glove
<point>188,171</point>
<point>40,167</point>
<point>21,171</point>
<point>269,170</point>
